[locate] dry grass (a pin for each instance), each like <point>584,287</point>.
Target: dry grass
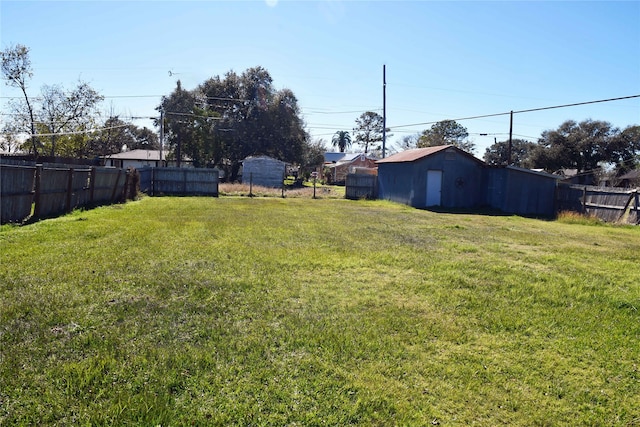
<point>570,217</point>
<point>243,190</point>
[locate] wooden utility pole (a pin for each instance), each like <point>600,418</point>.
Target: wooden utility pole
<point>384,110</point>
<point>510,139</point>
<point>161,133</point>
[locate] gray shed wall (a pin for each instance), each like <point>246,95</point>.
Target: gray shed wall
<point>462,180</point>
<point>264,171</point>
<point>519,192</point>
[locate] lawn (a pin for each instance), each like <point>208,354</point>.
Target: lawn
<point>271,311</point>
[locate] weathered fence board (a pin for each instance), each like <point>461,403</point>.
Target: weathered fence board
<point>360,186</point>
<point>80,188</point>
<point>53,191</point>
<point>182,181</point>
<point>607,203</point>
<point>16,192</point>
<point>107,184</point>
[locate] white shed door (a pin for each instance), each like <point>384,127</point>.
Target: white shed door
<point>434,187</point>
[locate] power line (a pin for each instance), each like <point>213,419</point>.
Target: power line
<point>80,132</point>
<point>523,111</point>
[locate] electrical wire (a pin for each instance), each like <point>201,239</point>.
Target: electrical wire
<point>80,132</point>
<point>522,111</point>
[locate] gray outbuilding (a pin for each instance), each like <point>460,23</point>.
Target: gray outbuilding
<point>264,171</point>
<point>448,177</point>
<point>434,176</point>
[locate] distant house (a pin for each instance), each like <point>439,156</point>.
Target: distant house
<point>141,158</point>
<point>338,171</point>
<point>574,176</point>
<point>449,177</point>
<point>333,157</point>
<point>263,170</point>
<point>630,179</point>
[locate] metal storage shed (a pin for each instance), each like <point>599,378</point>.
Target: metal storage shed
<point>435,176</point>
<point>263,170</point>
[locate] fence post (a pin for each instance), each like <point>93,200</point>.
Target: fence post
<point>251,184</point>
<point>92,184</point>
<point>38,192</point>
<point>69,189</point>
<point>584,199</point>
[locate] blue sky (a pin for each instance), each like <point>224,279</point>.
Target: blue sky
<point>444,60</point>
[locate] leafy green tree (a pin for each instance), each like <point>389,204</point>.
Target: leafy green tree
<point>583,146</point>
<point>498,153</point>
<point>444,133</point>
<point>368,131</point>
<point>625,149</point>
<point>178,109</point>
<point>313,156</point>
<point>342,140</point>
<point>116,133</point>
<point>225,119</point>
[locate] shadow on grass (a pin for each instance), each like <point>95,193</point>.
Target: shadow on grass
<point>484,211</point>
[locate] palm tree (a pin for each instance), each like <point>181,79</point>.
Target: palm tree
<point>342,140</point>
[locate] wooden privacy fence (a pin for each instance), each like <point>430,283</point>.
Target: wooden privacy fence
<point>179,181</point>
<point>610,204</point>
<point>53,191</point>
<point>361,186</point>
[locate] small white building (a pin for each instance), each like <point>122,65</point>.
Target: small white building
<point>264,171</point>
<point>142,158</point>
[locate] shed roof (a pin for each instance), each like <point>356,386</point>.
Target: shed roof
<point>262,158</point>
<point>530,171</point>
<point>419,153</point>
<point>137,155</point>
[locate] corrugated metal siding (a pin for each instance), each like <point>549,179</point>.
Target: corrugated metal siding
<point>520,193</point>
<point>263,171</point>
<point>462,180</point>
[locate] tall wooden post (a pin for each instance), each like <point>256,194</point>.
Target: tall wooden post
<point>384,110</point>
<point>510,139</point>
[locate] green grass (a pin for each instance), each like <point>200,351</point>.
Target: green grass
<point>270,311</point>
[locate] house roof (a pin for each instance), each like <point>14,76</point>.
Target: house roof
<point>634,174</point>
<point>262,157</point>
<point>333,157</point>
<point>351,157</point>
<point>142,155</point>
<point>420,153</point>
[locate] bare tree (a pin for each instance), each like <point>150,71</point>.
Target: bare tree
<point>64,112</point>
<point>16,69</point>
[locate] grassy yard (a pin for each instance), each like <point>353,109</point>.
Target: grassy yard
<point>270,311</point>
